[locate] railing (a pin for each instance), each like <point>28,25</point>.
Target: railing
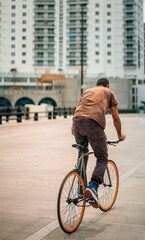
<point>21,113</point>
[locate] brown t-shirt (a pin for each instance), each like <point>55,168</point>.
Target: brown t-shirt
<point>94,103</point>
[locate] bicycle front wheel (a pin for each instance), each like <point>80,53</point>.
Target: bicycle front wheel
<point>70,207</point>
<point>107,192</point>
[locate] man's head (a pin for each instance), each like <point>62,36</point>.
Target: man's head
<point>103,82</point>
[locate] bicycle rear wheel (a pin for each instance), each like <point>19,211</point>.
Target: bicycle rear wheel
<point>70,208</point>
<point>107,192</point>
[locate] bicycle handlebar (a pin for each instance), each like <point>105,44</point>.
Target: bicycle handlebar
<point>113,143</point>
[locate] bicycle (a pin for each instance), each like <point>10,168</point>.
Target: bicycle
<point>71,197</point>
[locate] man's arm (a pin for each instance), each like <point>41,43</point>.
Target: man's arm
<point>117,122</point>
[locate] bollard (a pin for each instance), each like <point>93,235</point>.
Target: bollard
<point>54,114</point>
<point>0,119</point>
<point>49,115</point>
<point>7,114</point>
<point>19,115</point>
<point>27,113</point>
<point>35,116</point>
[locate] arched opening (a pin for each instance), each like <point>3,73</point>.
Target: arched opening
<point>24,101</point>
<point>49,101</point>
<point>4,102</point>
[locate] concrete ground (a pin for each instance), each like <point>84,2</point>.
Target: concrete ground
<point>35,157</point>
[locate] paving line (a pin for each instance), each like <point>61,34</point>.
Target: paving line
<point>54,225</point>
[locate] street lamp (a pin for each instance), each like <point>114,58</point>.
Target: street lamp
<point>82,43</point>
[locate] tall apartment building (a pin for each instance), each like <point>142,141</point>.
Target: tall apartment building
<point>45,36</point>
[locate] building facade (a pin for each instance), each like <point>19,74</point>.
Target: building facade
<point>47,36</point>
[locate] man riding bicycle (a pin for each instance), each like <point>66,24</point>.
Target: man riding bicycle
<point>88,127</point>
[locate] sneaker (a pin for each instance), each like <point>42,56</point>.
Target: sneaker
<point>91,193</point>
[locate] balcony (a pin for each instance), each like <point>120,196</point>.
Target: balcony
<point>132,65</point>
<point>37,49</point>
<point>129,9</point>
<point>77,49</point>
<point>76,41</point>
<point>128,25</point>
<point>130,49</point>
<point>44,17</point>
<point>77,1</point>
<point>43,41</point>
<point>76,57</point>
<point>44,25</point>
<point>43,65</point>
<point>44,9</point>
<point>129,41</point>
<point>77,33</point>
<point>44,57</point>
<point>77,9</point>
<point>44,1</point>
<point>130,57</point>
<point>77,17</point>
<point>77,25</point>
<point>127,33</point>
<point>130,1</point>
<point>44,33</point>
<point>130,17</point>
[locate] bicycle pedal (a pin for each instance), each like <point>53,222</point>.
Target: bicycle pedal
<point>93,203</point>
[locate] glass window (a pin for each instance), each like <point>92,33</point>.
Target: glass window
<point>97,13</point>
<point>13,62</point>
<point>23,22</point>
<point>108,5</point>
<point>23,61</point>
<point>24,6</point>
<point>13,54</point>
<point>97,44</point>
<point>97,36</point>
<point>24,30</point>
<point>97,5</point>
<point>109,61</point>
<point>24,14</point>
<point>13,14</point>
<point>97,21</point>
<point>108,13</point>
<point>109,45</point>
<point>23,45</point>
<point>13,30</point>
<point>97,60</point>
<point>109,53</point>
<point>109,21</point>
<point>97,29</point>
<point>97,53</point>
<point>13,22</point>
<point>108,29</point>
<point>13,7</point>
<point>24,38</point>
<point>12,38</point>
<point>13,46</point>
<point>23,53</point>
<point>109,37</point>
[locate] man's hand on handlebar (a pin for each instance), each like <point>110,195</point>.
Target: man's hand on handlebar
<point>121,137</point>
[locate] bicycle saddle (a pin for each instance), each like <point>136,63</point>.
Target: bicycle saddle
<point>79,146</point>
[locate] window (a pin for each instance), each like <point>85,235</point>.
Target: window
<point>23,61</point>
<point>97,36</point>
<point>97,44</point>
<point>13,54</point>
<point>13,30</point>
<point>13,46</point>
<point>97,61</point>
<point>97,53</point>
<point>97,21</point>
<point>24,14</point>
<point>97,29</point>
<point>97,13</point>
<point>13,7</point>
<point>13,14</point>
<point>23,53</point>
<point>108,5</point>
<point>24,6</point>
<point>109,53</point>
<point>12,38</point>
<point>109,21</point>
<point>24,38</point>
<point>97,5</point>
<point>108,45</point>
<point>109,37</point>
<point>23,45</point>
<point>109,61</point>
<point>108,13</point>
<point>23,22</point>
<point>13,62</point>
<point>24,30</point>
<point>108,29</point>
<point>13,22</point>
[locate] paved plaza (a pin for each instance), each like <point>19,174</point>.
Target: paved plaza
<point>35,157</point>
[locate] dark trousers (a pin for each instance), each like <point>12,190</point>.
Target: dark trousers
<point>89,131</point>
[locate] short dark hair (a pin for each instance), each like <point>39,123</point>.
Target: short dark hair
<point>103,82</point>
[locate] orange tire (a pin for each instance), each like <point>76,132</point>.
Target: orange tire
<point>69,211</point>
<point>107,192</point>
